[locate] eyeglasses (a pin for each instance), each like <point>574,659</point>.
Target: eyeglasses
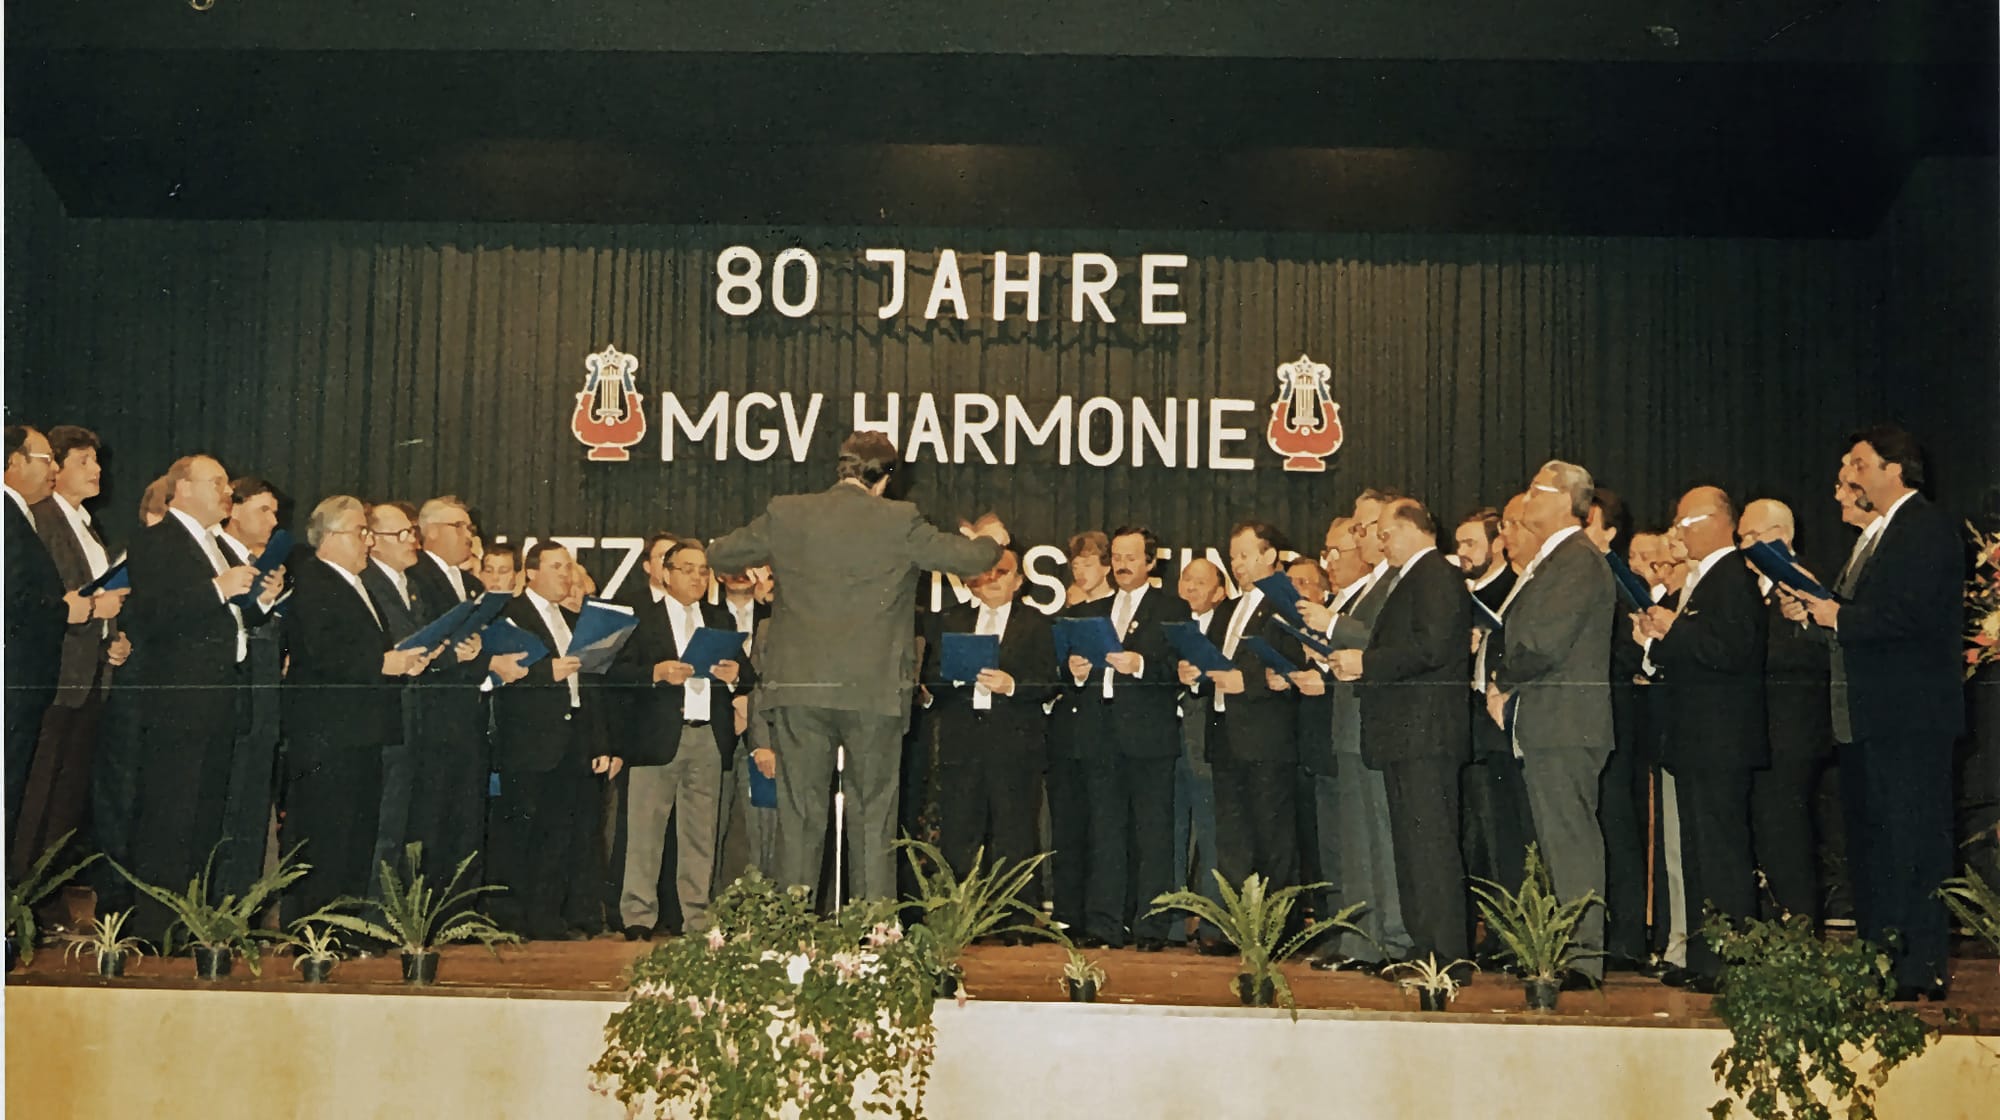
<point>461,526</point>
<point>406,533</point>
<point>1544,488</point>
<point>50,459</point>
<point>1688,522</point>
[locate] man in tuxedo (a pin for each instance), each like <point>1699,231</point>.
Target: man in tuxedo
<point>1482,558</point>
<point>842,654</point>
<point>253,769</point>
<point>991,753</point>
<point>1895,615</point>
<point>680,741</point>
<point>739,819</point>
<point>189,617</point>
<point>1798,725</point>
<point>539,831</point>
<point>1550,687</point>
<point>1202,590</point>
<point>447,811</point>
<point>58,790</point>
<point>1708,657</point>
<point>1253,728</point>
<point>341,708</point>
<point>1415,728</point>
<point>1626,789</point>
<point>1129,736</point>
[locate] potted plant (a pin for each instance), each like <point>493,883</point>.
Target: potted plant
<point>1803,1014</point>
<point>222,930</point>
<point>958,910</point>
<point>1537,930</point>
<point>777,1011</point>
<point>317,950</point>
<point>1976,903</point>
<point>106,942</point>
<point>1082,978</point>
<point>28,893</point>
<point>421,918</point>
<point>1254,920</point>
<point>1435,985</point>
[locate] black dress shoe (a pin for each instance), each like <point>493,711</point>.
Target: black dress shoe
<point>1932,993</point>
<point>1090,941</point>
<point>638,933</point>
<point>1618,962</point>
<point>1339,962</point>
<point>1688,980</point>
<point>1151,944</point>
<point>1215,947</point>
<point>1579,982</point>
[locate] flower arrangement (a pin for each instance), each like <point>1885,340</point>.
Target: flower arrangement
<point>777,1011</point>
<point>1982,602</point>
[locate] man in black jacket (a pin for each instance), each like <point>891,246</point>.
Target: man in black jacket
<point>1415,727</point>
<point>1895,617</point>
<point>38,610</point>
<point>539,830</point>
<point>341,707</point>
<point>1709,658</point>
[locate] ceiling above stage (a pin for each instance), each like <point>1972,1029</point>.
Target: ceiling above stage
<point>1722,117</point>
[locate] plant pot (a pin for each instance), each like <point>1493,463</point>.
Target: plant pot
<point>315,970</point>
<point>1428,1000</point>
<point>213,962</point>
<point>13,953</point>
<point>947,985</point>
<point>1542,994</point>
<point>111,966</point>
<point>420,968</point>
<point>1262,994</point>
<point>1080,991</point>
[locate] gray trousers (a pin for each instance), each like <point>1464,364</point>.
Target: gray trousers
<point>1368,862</point>
<point>689,790</point>
<point>805,740</point>
<point>1562,787</point>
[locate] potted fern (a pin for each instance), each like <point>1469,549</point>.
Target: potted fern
<point>958,910</point>
<point>107,943</point>
<point>1536,929</point>
<point>1976,903</point>
<point>421,918</point>
<point>1254,920</point>
<point>28,893</point>
<point>222,930</point>
<point>1436,985</point>
<point>317,950</point>
<point>1082,978</point>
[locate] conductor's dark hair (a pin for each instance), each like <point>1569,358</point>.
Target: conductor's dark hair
<point>1891,442</point>
<point>867,458</point>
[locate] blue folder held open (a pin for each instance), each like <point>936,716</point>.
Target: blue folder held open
<point>1193,647</point>
<point>489,605</point>
<point>503,638</point>
<point>1312,640</point>
<point>115,578</point>
<point>1637,593</point>
<point>763,791</point>
<point>276,551</point>
<point>961,657</point>
<point>1092,638</point>
<point>1775,561</point>
<point>1269,655</point>
<point>709,646</point>
<point>1283,595</point>
<point>1483,617</point>
<point>601,630</point>
<point>441,629</point>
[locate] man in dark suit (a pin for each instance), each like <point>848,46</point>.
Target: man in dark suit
<point>190,617</point>
<point>341,707</point>
<point>58,791</point>
<point>539,833</point>
<point>1625,786</point>
<point>991,753</point>
<point>1482,557</point>
<point>680,740</point>
<point>1896,614</point>
<point>38,609</point>
<point>1078,751</point>
<point>1201,588</point>
<point>1253,726</point>
<point>842,657</point>
<point>253,771</point>
<point>746,612</point>
<point>1708,656</point>
<point>1798,728</point>
<point>393,548</point>
<point>1319,784</point>
<point>1551,679</point>
<point>1494,812</point>
<point>1415,727</point>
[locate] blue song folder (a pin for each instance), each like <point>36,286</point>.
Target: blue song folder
<point>1482,615</point>
<point>1269,655</point>
<point>441,629</point>
<point>1092,638</point>
<point>962,656</point>
<point>1193,647</point>
<point>503,638</point>
<point>1281,593</point>
<point>115,578</point>
<point>763,791</point>
<point>1775,561</point>
<point>489,605</point>
<point>600,631</point>
<point>1311,640</point>
<point>1637,593</point>
<point>709,646</point>
<point>276,551</point>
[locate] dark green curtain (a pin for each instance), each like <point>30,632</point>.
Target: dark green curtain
<point>409,360</point>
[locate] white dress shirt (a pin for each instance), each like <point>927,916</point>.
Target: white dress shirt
<point>559,633</point>
<point>79,522</point>
<point>205,540</point>
<point>696,701</point>
<point>1246,605</point>
<point>992,620</point>
<point>1687,591</point>
<point>1124,608</point>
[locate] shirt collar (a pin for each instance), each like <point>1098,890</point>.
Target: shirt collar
<point>193,526</point>
<point>1711,560</point>
<point>353,580</point>
<point>1555,538</point>
<point>1882,523</point>
<point>1480,583</point>
<point>1411,562</point>
<point>74,513</point>
<point>395,576</point>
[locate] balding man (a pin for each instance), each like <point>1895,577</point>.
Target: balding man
<point>190,634</point>
<point>1550,687</point>
<point>1798,727</point>
<point>1708,658</point>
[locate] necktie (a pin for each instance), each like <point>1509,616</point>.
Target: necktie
<point>559,630</point>
<point>1856,561</point>
<point>694,694</point>
<point>989,623</point>
<point>1121,621</point>
<point>213,550</point>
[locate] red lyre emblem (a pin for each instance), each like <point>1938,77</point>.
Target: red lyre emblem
<point>1305,423</point>
<point>610,414</point>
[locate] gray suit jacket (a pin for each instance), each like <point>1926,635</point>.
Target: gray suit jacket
<point>842,632</point>
<point>83,668</point>
<point>1351,630</point>
<point>1554,641</point>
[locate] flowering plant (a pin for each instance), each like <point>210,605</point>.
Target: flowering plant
<point>777,1011</point>
<point>1982,602</point>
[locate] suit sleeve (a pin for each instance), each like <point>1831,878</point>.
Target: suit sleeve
<point>1537,642</point>
<point>747,547</point>
<point>934,550</point>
